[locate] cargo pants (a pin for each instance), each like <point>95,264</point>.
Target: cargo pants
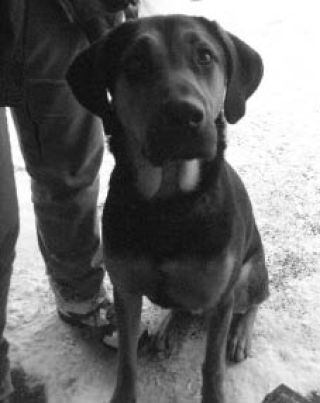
<point>62,145</point>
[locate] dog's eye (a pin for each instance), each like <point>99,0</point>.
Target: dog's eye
<point>204,56</point>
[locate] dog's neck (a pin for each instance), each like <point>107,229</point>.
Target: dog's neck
<point>168,180</point>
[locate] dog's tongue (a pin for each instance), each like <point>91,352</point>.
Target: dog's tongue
<point>179,176</point>
<point>149,180</point>
<point>168,180</point>
<point>189,175</point>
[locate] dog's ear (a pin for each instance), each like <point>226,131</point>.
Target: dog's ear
<point>244,72</point>
<point>92,74</point>
<point>88,78</point>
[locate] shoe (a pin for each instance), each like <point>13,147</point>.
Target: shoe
<point>103,320</point>
<point>112,340</point>
<point>102,317</point>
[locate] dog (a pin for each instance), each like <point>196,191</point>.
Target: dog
<point>178,225</point>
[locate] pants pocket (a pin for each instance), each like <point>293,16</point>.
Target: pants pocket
<point>59,138</point>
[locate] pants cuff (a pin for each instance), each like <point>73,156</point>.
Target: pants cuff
<point>75,306</point>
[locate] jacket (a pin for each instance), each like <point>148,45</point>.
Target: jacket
<point>11,68</point>
<point>92,16</point>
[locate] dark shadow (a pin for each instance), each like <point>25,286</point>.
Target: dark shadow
<point>284,394</point>
<point>90,340</point>
<point>27,389</point>
<point>315,397</point>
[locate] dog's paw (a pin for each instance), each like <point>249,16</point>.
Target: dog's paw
<point>240,335</point>
<point>239,340</point>
<point>169,335</point>
<point>238,348</point>
<point>163,342</point>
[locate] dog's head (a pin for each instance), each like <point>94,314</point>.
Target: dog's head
<point>167,80</point>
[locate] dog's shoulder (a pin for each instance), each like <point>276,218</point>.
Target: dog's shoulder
<point>237,191</point>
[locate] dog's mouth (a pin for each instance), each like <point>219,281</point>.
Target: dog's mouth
<point>172,144</point>
<point>182,128</point>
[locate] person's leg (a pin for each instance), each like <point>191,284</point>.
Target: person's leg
<point>9,229</point>
<point>63,146</point>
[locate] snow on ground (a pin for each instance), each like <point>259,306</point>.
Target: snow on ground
<point>275,148</point>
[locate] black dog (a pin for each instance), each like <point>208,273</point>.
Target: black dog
<point>178,225</point>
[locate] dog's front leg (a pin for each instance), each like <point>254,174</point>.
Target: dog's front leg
<point>128,310</point>
<point>215,360</point>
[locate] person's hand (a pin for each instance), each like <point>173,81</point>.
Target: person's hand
<point>117,5</point>
<point>97,16</point>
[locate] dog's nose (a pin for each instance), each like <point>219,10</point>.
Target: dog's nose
<point>183,113</point>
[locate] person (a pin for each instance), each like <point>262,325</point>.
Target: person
<point>62,145</point>
<point>9,228</point>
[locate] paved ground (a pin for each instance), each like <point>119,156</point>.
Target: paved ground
<point>275,148</point>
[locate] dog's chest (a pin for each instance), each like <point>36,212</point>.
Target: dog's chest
<point>192,284</point>
<point>174,253</point>
<point>162,232</point>
<point>185,283</point>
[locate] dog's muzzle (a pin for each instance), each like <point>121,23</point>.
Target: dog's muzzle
<point>182,114</point>
<point>180,131</point>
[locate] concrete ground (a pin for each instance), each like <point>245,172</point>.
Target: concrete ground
<point>275,148</point>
